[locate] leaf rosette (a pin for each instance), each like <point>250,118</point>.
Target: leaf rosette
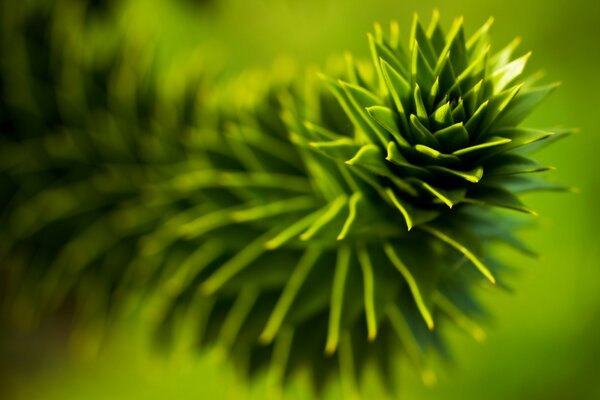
<point>325,225</point>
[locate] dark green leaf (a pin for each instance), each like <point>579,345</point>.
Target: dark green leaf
<point>523,104</point>
<point>453,137</point>
<point>371,158</point>
<point>496,196</point>
<point>340,149</point>
<point>420,134</point>
<point>386,118</point>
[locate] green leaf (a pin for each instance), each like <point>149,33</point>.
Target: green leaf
<point>361,99</point>
<point>482,148</point>
<point>472,73</point>
<point>388,120</point>
<point>441,117</point>
<point>422,298</point>
<point>496,196</point>
<point>369,291</point>
<point>497,104</point>
<point>325,177</point>
<point>512,164</point>
<point>352,75</point>
<point>328,215</point>
<point>353,111</point>
<point>472,176</point>
<point>413,216</point>
<point>536,145</point>
<point>279,359</point>
<point>460,318</point>
<point>195,227</point>
<point>371,158</point>
<point>435,157</point>
<point>421,72</point>
<point>381,51</point>
<point>289,293</point>
<point>340,149</point>
<point>234,265</point>
<point>526,184</point>
<point>395,157</point>
<point>237,315</point>
<point>337,299</point>
<point>456,46</point>
<point>490,225</point>
<point>420,134</point>
<point>191,267</point>
<point>504,56</point>
<point>421,111</point>
<point>472,97</point>
<point>418,37</point>
<point>400,323</point>
<point>398,87</point>
<point>192,181</point>
<point>436,35</point>
<point>445,237</point>
<point>476,119</point>
<point>347,367</point>
<point>445,72</point>
<point>479,39</point>
<point>355,199</point>
<point>522,105</point>
<point>453,137</point>
<point>289,205</point>
<point>504,76</point>
<point>521,137</point>
<point>459,114</point>
<point>434,95</point>
<point>318,133</point>
<point>448,197</point>
<point>292,231</point>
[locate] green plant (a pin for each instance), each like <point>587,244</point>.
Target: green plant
<point>350,215</point>
<point>87,125</point>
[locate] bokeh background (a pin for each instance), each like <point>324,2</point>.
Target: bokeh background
<point>543,340</point>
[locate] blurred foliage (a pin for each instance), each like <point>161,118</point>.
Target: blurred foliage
<point>544,344</point>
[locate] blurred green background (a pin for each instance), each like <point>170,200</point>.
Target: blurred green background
<point>543,341</point>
